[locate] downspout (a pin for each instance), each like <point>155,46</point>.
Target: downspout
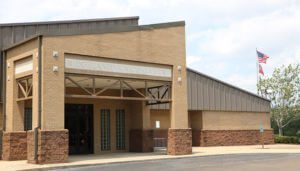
<point>4,90</point>
<point>39,98</point>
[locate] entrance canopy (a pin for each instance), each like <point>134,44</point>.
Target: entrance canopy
<point>103,78</point>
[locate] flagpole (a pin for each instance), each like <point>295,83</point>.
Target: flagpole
<point>257,76</point>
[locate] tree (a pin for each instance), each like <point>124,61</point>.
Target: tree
<point>282,88</point>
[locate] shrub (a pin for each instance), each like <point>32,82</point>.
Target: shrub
<point>298,134</point>
<point>286,139</point>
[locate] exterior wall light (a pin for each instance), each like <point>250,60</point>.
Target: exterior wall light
<point>8,64</point>
<point>179,79</point>
<point>55,68</point>
<point>179,68</point>
<point>55,54</point>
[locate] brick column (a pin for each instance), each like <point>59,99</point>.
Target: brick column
<point>53,146</point>
<point>179,141</point>
<point>14,145</point>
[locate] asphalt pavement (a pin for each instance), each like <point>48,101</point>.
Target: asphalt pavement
<point>229,162</point>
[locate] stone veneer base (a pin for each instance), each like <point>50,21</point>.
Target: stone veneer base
<point>231,137</point>
<point>141,140</point>
<point>1,135</point>
<point>14,146</point>
<point>179,141</point>
<point>53,146</point>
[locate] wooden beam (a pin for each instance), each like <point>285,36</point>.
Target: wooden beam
<point>146,88</point>
<point>121,89</point>
<point>78,85</point>
<point>128,85</point>
<point>74,72</point>
<point>24,98</point>
<point>105,88</point>
<point>156,103</point>
<point>94,85</point>
<point>29,90</point>
<point>22,89</point>
<point>26,86</point>
<point>114,97</point>
<point>151,93</point>
<point>165,92</point>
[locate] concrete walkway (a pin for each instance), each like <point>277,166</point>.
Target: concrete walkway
<point>83,160</point>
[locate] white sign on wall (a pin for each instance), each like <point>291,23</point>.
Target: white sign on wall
<point>157,124</point>
<point>23,65</point>
<point>117,66</point>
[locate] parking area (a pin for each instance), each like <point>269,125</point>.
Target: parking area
<point>229,162</point>
<point>113,158</point>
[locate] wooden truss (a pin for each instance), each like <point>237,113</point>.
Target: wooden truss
<point>159,92</point>
<point>25,88</point>
<point>152,95</point>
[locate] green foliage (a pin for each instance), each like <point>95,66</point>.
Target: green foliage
<point>298,134</point>
<point>286,139</point>
<point>283,89</point>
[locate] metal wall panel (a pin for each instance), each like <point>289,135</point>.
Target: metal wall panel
<point>207,93</point>
<point>14,33</point>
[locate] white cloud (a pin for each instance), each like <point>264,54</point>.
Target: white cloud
<point>221,35</point>
<point>273,31</point>
<point>244,81</point>
<point>193,60</point>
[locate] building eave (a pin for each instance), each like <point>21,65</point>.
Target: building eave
<point>68,21</point>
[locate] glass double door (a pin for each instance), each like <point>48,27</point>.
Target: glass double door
<point>105,125</point>
<point>79,122</point>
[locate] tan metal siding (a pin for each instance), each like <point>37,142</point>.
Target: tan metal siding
<point>206,93</point>
<point>14,33</point>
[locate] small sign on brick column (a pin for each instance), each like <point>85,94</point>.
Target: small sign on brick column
<point>261,130</point>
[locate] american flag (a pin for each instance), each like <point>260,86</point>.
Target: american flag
<point>262,58</point>
<point>261,71</point>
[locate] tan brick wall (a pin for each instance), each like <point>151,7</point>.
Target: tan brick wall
<point>14,109</point>
<point>163,116</point>
<point>164,46</point>
<point>235,120</point>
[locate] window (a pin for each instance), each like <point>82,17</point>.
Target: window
<point>105,129</point>
<point>28,119</point>
<point>120,129</point>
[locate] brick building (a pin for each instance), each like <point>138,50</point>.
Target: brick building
<point>112,85</point>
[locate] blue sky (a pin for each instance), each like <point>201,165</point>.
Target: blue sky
<point>221,36</point>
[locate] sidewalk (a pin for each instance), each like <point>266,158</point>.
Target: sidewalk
<point>82,160</point>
